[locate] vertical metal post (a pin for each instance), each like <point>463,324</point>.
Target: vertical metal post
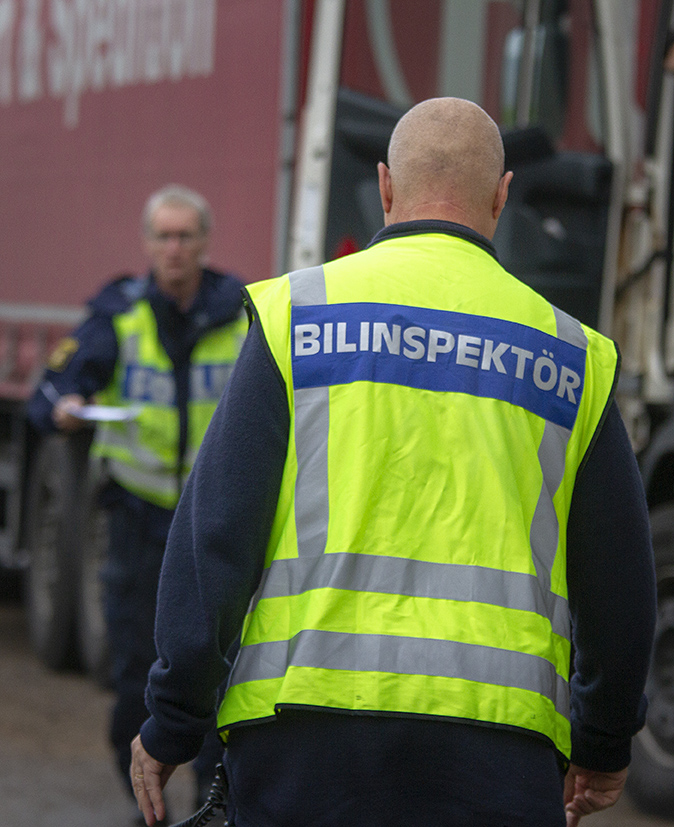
<point>385,53</point>
<point>525,80</point>
<point>317,134</point>
<point>290,78</point>
<point>609,21</point>
<point>461,65</point>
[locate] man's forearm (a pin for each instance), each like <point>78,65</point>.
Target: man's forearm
<point>612,601</point>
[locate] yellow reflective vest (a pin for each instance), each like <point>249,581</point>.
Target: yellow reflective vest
<point>142,453</point>
<point>440,411</point>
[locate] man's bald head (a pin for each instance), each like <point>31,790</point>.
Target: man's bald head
<point>446,161</point>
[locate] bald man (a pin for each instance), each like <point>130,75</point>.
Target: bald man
<point>404,502</point>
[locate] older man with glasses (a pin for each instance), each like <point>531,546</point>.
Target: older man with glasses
<point>163,347</point>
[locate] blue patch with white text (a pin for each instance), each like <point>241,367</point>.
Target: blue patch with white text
<point>155,387</point>
<point>438,350</point>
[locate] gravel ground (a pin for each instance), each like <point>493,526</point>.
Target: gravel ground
<point>56,769</point>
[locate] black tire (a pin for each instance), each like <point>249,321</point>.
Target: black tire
<point>650,782</point>
<point>91,626</point>
<point>54,497</point>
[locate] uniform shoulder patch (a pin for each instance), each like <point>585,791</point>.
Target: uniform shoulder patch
<point>63,353</point>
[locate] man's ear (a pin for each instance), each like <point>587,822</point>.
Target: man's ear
<point>385,188</point>
<point>501,195</point>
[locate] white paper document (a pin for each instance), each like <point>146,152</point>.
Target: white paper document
<point>106,413</point>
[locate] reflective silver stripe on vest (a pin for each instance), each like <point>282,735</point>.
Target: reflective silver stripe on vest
<point>544,533</point>
<point>402,655</point>
<point>129,440</point>
<point>130,349</point>
<point>136,477</point>
<point>312,407</point>
<point>413,578</point>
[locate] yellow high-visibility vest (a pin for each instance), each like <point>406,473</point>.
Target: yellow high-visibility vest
<point>440,411</point>
<point>142,453</point>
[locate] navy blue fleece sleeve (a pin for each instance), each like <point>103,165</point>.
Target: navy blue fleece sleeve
<point>612,600</point>
<point>215,553</point>
<point>87,368</point>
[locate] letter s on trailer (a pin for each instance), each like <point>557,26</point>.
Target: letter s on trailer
<point>278,113</point>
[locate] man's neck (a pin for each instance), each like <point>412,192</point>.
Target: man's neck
<point>182,294</point>
<point>441,211</point>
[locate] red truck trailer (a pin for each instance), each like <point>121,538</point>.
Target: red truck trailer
<point>277,111</point>
<point>101,103</point>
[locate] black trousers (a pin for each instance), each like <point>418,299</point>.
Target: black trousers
<point>131,577</point>
<point>322,769</point>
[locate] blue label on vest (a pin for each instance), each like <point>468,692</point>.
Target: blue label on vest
<point>155,387</point>
<point>145,384</point>
<point>438,350</point>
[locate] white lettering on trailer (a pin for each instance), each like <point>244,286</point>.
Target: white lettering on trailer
<point>7,17</point>
<point>31,39</point>
<point>67,47</point>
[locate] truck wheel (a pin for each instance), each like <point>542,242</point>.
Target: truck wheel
<point>51,582</point>
<point>650,782</point>
<point>91,625</point>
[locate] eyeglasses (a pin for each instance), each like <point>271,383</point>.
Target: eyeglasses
<point>183,237</point>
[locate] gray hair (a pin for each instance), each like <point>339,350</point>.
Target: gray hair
<point>177,195</point>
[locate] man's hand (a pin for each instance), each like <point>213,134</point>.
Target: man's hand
<point>587,792</point>
<point>148,778</point>
<point>62,412</point>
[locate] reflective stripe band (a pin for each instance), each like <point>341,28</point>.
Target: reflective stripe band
<point>164,484</point>
<point>544,532</point>
<point>413,578</point>
<point>312,407</point>
<point>129,349</point>
<point>307,287</point>
<point>402,655</point>
<point>569,329</point>
<point>311,487</point>
<point>128,441</point>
